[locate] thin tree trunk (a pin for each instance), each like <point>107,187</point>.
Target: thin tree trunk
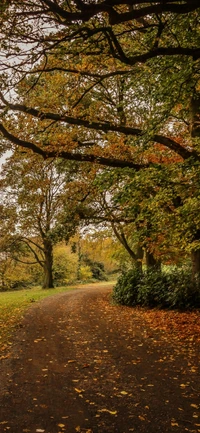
<point>79,261</point>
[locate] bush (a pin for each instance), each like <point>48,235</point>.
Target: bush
<point>183,291</point>
<point>85,273</point>
<point>125,291</point>
<point>174,289</point>
<point>152,290</point>
<point>97,268</point>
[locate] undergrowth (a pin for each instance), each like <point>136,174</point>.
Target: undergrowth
<point>155,289</point>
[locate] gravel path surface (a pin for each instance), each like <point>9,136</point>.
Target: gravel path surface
<point>81,364</point>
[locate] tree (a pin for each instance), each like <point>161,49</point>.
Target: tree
<point>129,74</point>
<point>37,192</point>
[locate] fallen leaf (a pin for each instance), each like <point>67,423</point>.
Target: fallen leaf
<point>109,411</point>
<point>79,390</point>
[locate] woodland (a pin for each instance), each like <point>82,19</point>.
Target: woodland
<point>100,125</point>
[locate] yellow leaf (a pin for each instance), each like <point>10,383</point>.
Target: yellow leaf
<point>109,411</point>
<point>61,425</point>
<point>174,424</point>
<point>123,392</point>
<point>79,390</point>
<point>141,418</point>
<point>195,406</point>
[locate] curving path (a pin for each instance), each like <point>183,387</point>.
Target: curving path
<point>80,364</point>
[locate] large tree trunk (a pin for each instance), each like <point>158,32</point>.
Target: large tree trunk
<point>195,132</point>
<point>152,263</point>
<point>48,265</point>
<point>139,257</point>
<point>195,258</point>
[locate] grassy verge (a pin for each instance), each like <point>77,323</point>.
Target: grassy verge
<point>12,306</point>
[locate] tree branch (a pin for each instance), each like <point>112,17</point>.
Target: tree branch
<point>109,162</point>
<point>86,11</point>
<point>98,126</point>
<point>123,241</point>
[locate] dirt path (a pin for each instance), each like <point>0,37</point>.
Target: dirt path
<point>80,364</point>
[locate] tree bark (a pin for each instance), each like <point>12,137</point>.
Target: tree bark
<point>195,114</point>
<point>195,258</point>
<point>152,263</point>
<point>48,265</point>
<point>195,132</point>
<point>139,257</point>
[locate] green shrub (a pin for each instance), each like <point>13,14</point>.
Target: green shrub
<point>174,289</point>
<point>97,268</point>
<point>183,290</point>
<point>152,290</point>
<point>125,291</point>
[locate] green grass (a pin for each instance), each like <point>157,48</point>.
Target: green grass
<point>12,306</point>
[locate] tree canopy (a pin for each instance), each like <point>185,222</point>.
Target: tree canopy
<point>144,55</point>
<point>115,84</point>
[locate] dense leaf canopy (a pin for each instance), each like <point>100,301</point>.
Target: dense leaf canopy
<point>115,77</point>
